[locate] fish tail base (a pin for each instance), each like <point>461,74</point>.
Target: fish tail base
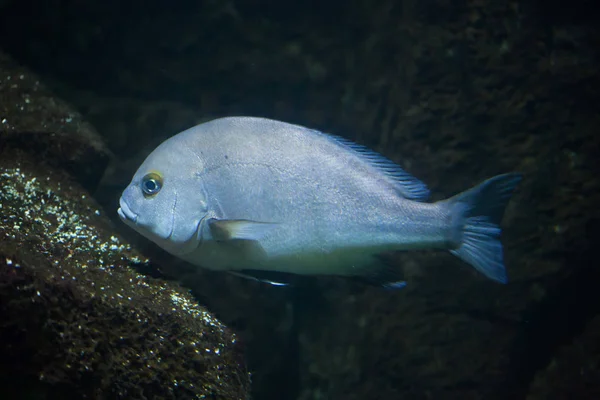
<point>478,236</point>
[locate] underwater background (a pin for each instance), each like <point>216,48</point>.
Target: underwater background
<point>454,91</point>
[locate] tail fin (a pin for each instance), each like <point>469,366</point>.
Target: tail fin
<point>477,215</point>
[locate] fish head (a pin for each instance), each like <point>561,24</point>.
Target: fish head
<point>165,201</point>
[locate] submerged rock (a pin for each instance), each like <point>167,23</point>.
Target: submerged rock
<point>575,371</point>
<point>32,117</point>
<point>77,319</point>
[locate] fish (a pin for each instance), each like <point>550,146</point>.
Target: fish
<point>269,200</point>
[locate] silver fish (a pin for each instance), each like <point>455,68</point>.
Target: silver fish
<point>263,198</point>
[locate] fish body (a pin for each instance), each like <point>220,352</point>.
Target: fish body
<point>255,196</point>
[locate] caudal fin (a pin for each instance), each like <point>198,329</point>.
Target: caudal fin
<point>477,215</point>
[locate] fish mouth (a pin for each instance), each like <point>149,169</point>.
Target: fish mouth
<point>125,212</point>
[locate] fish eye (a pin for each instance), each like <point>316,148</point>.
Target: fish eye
<point>151,184</point>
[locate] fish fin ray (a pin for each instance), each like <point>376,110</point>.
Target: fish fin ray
<point>272,278</point>
<point>407,185</point>
<point>477,216</point>
<point>239,229</point>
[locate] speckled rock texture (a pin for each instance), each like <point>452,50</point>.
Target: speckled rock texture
<point>77,317</point>
<point>455,92</point>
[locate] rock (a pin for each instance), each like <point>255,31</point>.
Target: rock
<point>574,372</point>
<point>31,116</point>
<point>77,318</point>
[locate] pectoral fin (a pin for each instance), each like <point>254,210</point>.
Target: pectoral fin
<point>238,229</point>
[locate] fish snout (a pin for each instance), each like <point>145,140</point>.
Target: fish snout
<point>125,212</point>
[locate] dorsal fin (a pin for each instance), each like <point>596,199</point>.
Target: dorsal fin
<point>408,186</point>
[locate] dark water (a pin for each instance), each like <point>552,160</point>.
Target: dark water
<point>454,91</point>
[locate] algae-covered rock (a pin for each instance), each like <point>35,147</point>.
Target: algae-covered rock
<point>77,319</point>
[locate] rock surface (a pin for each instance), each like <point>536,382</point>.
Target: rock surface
<point>77,317</point>
<point>32,117</point>
<point>574,373</point>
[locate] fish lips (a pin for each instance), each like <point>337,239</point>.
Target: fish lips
<point>125,213</point>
